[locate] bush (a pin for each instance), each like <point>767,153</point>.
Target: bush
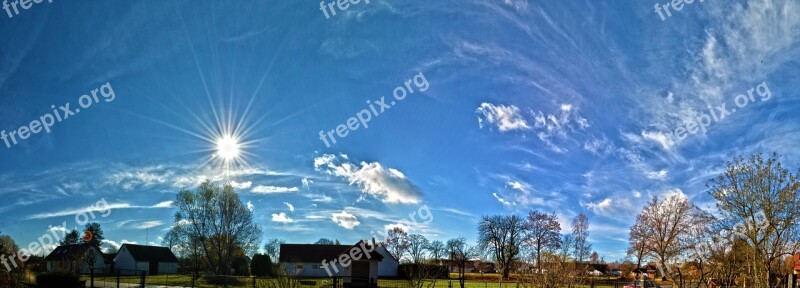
<point>58,280</point>
<point>223,280</point>
<point>261,266</point>
<point>425,271</point>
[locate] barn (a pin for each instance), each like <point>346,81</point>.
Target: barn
<point>154,260</point>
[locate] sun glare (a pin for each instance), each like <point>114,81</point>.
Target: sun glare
<point>228,148</point>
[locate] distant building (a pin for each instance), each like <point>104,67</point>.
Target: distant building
<point>71,258</point>
<point>307,260</point>
<point>154,260</point>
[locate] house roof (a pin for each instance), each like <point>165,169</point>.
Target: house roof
<point>142,253</point>
<point>69,252</point>
<point>312,253</point>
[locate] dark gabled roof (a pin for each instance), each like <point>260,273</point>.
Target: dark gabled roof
<point>311,253</point>
<point>142,253</point>
<point>307,253</point>
<point>69,252</point>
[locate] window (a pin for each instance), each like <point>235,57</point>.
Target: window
<point>299,266</point>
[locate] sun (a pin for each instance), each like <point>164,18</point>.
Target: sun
<point>228,148</point>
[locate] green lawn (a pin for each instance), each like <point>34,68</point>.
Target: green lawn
<point>487,281</point>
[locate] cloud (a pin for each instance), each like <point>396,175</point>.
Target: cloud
<point>504,117</point>
<point>306,182</point>
<point>281,218</point>
<point>261,189</point>
<point>242,185</point>
<point>344,219</point>
<point>165,204</point>
<point>250,206</point>
<point>291,207</point>
<point>656,175</point>
<point>94,210</point>
<point>387,184</point>
<point>502,201</point>
<point>147,225</point>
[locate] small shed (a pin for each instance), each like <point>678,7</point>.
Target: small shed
<point>154,260</point>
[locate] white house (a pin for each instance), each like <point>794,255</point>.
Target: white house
<point>314,260</point>
<point>72,258</point>
<point>131,259</point>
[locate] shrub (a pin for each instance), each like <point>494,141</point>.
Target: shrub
<point>222,280</point>
<point>261,265</point>
<point>58,280</point>
<point>423,271</point>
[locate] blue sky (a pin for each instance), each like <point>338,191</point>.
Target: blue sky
<point>558,106</point>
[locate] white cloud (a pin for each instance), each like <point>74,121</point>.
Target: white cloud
<point>306,182</point>
<point>165,204</point>
<point>262,189</point>
<point>505,118</point>
<point>147,225</point>
<point>281,218</point>
<point>344,219</point>
<point>94,210</point>
<point>387,184</point>
<point>291,207</point>
<point>502,201</point>
<point>242,185</point>
<point>250,206</point>
<point>663,139</point>
<point>656,175</point>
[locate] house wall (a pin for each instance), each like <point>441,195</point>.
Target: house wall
<point>167,268</point>
<point>99,263</point>
<point>124,261</point>
<point>309,271</point>
<point>388,266</point>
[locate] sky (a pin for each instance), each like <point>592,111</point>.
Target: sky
<point>562,107</point>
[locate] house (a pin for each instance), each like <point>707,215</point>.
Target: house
<point>594,269</point>
<point>471,266</point>
<point>73,258</point>
<point>316,260</point>
<point>650,272</point>
<point>132,259</point>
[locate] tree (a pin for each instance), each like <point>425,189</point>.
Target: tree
<point>71,238</point>
<point>637,238</point>
<point>217,219</point>
<point>543,233</point>
<point>397,242</point>
<point>594,258</point>
<point>668,226</point>
<point>11,270</point>
<point>324,241</point>
<point>417,245</point>
<point>96,234</point>
<point>273,247</point>
<point>580,232</point>
<point>261,265</point>
<point>502,236</point>
<point>437,250</point>
<point>757,199</point>
<point>460,253</point>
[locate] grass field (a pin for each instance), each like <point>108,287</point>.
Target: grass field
<point>475,280</point>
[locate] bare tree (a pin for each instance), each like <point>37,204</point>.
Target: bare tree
<point>502,236</point>
<point>397,242</point>
<point>543,233</point>
<point>668,226</point>
<point>758,198</point>
<point>460,253</point>
<point>437,250</point>
<point>273,248</point>
<point>417,245</point>
<point>637,238</point>
<point>219,221</point>
<point>580,231</point>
